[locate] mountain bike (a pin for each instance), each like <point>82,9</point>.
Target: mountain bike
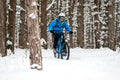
<point>63,50</point>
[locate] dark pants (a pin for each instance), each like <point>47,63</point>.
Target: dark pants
<point>55,38</point>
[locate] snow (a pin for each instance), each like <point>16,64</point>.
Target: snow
<point>101,20</point>
<point>53,1</point>
<point>36,66</point>
<point>84,64</point>
<point>9,42</point>
<point>34,4</point>
<point>9,8</point>
<point>43,41</point>
<point>32,15</point>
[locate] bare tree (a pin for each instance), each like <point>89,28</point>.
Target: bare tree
<point>34,34</point>
<point>3,28</point>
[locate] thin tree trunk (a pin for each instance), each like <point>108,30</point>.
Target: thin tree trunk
<point>11,26</point>
<point>34,34</point>
<point>104,23</point>
<point>44,20</point>
<point>80,29</point>
<point>111,26</point>
<point>3,28</point>
<point>23,32</point>
<point>117,24</point>
<point>97,25</point>
<point>71,4</point>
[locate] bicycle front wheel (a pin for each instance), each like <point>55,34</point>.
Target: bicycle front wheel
<point>65,51</point>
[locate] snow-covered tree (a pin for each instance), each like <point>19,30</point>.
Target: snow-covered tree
<point>96,23</point>
<point>103,17</point>
<point>89,39</point>
<point>75,24</point>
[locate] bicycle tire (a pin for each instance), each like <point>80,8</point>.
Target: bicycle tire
<point>65,51</point>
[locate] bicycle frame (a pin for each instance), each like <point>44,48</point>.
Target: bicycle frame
<point>59,45</point>
<point>63,51</point>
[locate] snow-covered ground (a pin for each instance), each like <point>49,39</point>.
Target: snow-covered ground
<point>84,64</point>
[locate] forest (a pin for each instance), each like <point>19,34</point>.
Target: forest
<point>24,24</point>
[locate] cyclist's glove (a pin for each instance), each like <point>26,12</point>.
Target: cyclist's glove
<point>71,32</point>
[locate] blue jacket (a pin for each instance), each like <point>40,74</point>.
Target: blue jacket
<point>58,26</point>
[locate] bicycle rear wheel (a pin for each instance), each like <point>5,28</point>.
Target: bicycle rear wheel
<point>65,51</point>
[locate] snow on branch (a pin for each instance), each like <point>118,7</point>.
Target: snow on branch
<point>101,20</point>
<point>50,5</point>
<point>9,8</point>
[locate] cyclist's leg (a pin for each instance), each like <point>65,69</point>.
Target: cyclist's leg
<point>55,45</point>
<point>56,37</point>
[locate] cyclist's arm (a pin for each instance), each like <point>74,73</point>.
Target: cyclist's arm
<point>67,27</point>
<point>50,27</point>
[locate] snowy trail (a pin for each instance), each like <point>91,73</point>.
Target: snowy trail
<point>84,64</point>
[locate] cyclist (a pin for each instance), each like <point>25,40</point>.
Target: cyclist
<point>56,28</point>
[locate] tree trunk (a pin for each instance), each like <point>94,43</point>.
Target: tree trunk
<point>97,25</point>
<point>11,26</point>
<point>80,29</point>
<point>23,32</point>
<point>104,23</point>
<point>111,26</point>
<point>34,34</point>
<point>44,20</point>
<point>117,24</point>
<point>71,4</point>
<point>3,28</point>
<point>88,25</point>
